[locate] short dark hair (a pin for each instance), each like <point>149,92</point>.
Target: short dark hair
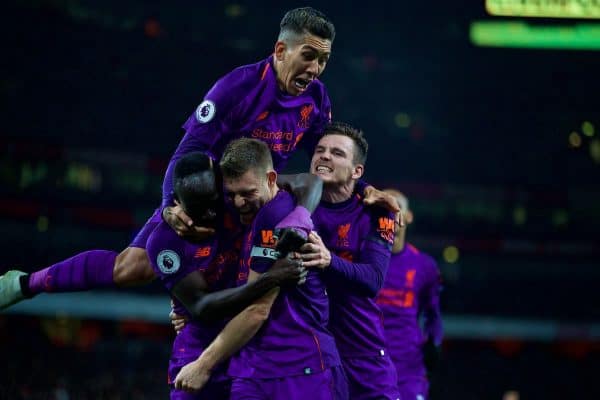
<point>244,154</point>
<point>195,183</point>
<point>361,146</point>
<point>306,20</point>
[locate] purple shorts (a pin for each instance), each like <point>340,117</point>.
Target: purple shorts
<point>414,388</point>
<point>218,386</point>
<point>142,236</point>
<point>316,386</point>
<point>371,378</point>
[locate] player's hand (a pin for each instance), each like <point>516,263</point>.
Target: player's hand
<point>289,240</point>
<point>178,321</point>
<point>192,377</point>
<point>183,224</point>
<point>314,254</point>
<point>375,197</point>
<point>288,272</point>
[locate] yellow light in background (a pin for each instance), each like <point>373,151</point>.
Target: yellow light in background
<point>234,10</point>
<point>42,223</point>
<point>560,217</point>
<point>451,254</point>
<point>574,139</point>
<point>595,150</point>
<point>587,128</point>
<point>519,215</point>
<point>402,120</point>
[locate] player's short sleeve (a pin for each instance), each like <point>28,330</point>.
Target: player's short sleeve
<point>172,258</point>
<point>263,239</point>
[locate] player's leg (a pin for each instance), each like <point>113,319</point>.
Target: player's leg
<point>87,270</point>
<point>93,269</point>
<point>132,267</point>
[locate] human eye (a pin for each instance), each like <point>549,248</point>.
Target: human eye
<point>309,55</point>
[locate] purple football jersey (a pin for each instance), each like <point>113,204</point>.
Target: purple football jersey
<point>248,103</point>
<point>172,259</point>
<point>412,288</point>
<point>350,231</point>
<point>294,340</point>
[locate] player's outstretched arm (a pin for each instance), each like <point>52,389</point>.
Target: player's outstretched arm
<point>233,337</point>
<point>376,197</point>
<point>215,306</point>
<point>181,223</point>
<point>306,188</point>
<point>367,274</point>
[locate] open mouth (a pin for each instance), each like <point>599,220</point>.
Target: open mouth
<point>323,169</point>
<point>301,83</point>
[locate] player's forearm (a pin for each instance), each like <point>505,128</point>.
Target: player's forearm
<point>238,331</point>
<point>306,188</point>
<point>229,302</point>
<point>167,187</point>
<point>368,275</point>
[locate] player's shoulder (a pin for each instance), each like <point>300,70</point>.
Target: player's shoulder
<point>162,237</point>
<point>275,210</point>
<point>426,260</point>
<point>166,250</point>
<point>237,83</point>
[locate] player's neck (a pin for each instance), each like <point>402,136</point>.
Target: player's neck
<point>399,241</point>
<point>276,68</point>
<point>338,193</point>
<point>273,191</point>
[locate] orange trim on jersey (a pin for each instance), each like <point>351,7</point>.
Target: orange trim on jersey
<point>264,73</point>
<point>319,349</point>
<point>399,298</point>
<point>412,248</point>
<point>262,116</point>
<point>390,292</point>
<point>391,302</point>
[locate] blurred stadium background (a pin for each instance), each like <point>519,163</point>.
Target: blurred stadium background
<point>489,123</point>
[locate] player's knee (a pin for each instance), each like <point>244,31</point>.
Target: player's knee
<point>132,267</point>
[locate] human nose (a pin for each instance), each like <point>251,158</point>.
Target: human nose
<point>313,68</point>
<point>238,201</point>
<point>325,155</point>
